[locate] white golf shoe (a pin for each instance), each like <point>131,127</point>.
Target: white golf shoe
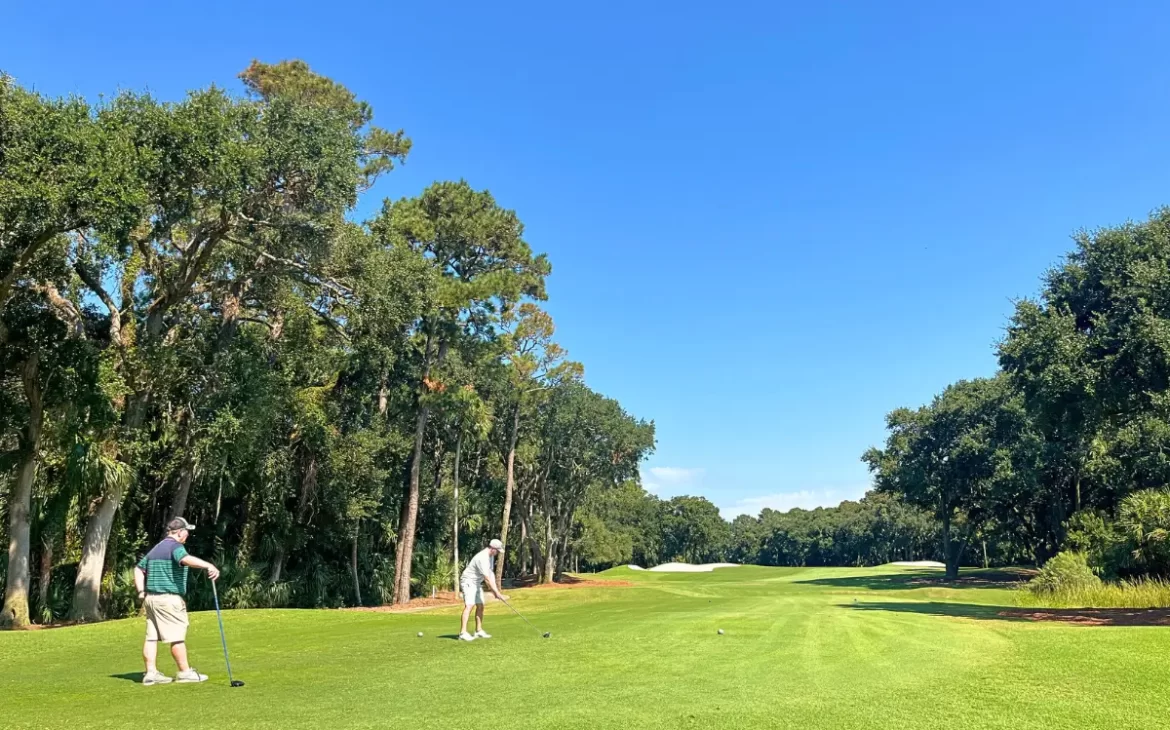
<point>481,634</point>
<point>156,677</point>
<point>466,637</point>
<point>190,677</point>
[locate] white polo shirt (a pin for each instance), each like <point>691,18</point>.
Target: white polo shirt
<point>480,567</point>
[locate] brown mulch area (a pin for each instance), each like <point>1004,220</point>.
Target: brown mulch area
<point>445,598</point>
<point>450,598</point>
<point>1096,616</point>
<point>42,627</point>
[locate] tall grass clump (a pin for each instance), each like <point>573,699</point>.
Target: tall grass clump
<point>1067,581</point>
<point>1137,593</point>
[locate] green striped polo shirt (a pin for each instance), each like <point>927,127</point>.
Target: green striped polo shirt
<point>164,574</point>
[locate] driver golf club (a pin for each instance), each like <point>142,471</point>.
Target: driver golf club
<point>222,639</point>
<point>545,634</point>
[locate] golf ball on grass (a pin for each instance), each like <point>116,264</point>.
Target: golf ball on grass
<point>420,634</point>
<point>720,632</point>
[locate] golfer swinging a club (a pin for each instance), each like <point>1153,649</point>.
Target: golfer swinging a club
<point>480,568</point>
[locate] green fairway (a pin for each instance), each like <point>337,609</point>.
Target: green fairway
<point>803,648</point>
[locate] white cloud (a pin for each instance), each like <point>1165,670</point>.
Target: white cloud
<point>784,501</point>
<point>669,481</point>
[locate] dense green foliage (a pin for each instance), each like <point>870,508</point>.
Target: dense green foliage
<point>1066,447</point>
<point>797,652</point>
<point>191,323</point>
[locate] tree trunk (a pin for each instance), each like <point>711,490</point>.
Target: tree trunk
<point>550,563</point>
<point>455,518</point>
<point>535,553</point>
<point>404,550</point>
<point>949,555</point>
<point>179,504</point>
<point>277,565</point>
<point>45,578</point>
<point>15,610</point>
<point>563,548</point>
<point>87,588</point>
<point>523,544</point>
<point>353,565</point>
<point>509,486</point>
<point>986,564</point>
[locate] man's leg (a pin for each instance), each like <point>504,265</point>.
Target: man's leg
<point>466,615</point>
<point>479,617</point>
<point>150,655</point>
<point>179,652</point>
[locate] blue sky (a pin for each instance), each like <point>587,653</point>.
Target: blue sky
<point>770,223</point>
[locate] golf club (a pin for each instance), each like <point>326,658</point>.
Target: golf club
<point>223,639</point>
<point>545,634</point>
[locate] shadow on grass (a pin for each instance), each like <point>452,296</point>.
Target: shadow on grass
<point>450,636</point>
<point>1005,578</point>
<point>135,677</point>
<point>1078,616</point>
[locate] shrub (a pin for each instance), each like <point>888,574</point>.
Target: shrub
<point>1144,520</point>
<point>1068,571</point>
<point>1093,534</point>
<point>434,573</point>
<point>383,582</point>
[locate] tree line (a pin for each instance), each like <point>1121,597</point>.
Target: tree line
<point>628,525</point>
<point>192,324</point>
<point>1067,446</point>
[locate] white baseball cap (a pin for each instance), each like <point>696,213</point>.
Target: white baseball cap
<point>497,545</point>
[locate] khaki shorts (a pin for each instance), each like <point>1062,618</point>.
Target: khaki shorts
<point>472,594</point>
<point>166,618</point>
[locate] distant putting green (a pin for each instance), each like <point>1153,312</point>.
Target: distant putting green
<point>802,648</point>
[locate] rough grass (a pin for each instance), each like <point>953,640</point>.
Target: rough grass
<point>877,649</point>
<point>1125,594</point>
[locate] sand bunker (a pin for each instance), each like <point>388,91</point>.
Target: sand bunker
<point>920,564</point>
<point>635,567</point>
<point>688,568</point>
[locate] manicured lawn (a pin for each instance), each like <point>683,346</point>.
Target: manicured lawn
<point>813,648</point>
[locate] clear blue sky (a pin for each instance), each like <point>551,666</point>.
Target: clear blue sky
<point>769,225</point>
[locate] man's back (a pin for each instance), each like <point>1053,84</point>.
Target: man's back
<point>164,574</point>
<point>479,568</point>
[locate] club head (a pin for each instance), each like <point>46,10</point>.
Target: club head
<point>547,634</point>
<point>237,683</point>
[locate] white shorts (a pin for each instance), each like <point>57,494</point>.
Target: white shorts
<point>472,595</point>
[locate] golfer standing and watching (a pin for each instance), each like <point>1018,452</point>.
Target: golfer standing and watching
<point>480,568</point>
<point>161,579</point>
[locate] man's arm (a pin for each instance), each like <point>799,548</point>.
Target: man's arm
<point>193,562</point>
<point>491,581</point>
<point>140,581</point>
